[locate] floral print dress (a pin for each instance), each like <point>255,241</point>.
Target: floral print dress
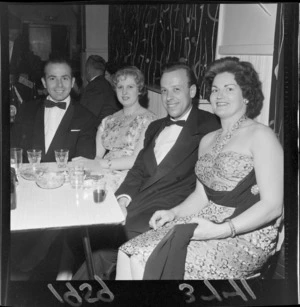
<point>119,136</point>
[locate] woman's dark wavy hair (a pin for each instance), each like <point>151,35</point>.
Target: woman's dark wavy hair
<point>245,76</point>
<point>135,73</point>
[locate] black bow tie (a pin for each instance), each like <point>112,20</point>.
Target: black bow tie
<point>51,104</point>
<point>170,122</point>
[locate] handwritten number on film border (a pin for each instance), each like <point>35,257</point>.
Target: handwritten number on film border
<point>215,295</point>
<point>74,299</point>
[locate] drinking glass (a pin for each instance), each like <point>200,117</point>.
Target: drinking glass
<point>61,157</point>
<point>34,157</point>
<point>100,191</point>
<point>16,159</point>
<point>76,176</point>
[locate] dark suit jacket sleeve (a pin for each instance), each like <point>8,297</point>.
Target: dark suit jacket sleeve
<point>109,107</point>
<point>86,143</point>
<point>100,99</point>
<point>210,122</point>
<point>133,180</point>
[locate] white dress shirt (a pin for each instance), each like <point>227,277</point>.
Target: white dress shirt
<point>167,138</point>
<point>52,119</point>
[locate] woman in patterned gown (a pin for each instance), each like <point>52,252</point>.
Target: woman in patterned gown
<point>238,200</point>
<point>120,136</point>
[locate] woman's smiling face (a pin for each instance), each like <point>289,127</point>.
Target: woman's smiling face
<point>127,90</point>
<point>226,96</point>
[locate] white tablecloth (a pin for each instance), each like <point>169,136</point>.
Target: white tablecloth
<point>39,208</point>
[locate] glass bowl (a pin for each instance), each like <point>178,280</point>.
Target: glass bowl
<point>30,173</point>
<point>50,180</point>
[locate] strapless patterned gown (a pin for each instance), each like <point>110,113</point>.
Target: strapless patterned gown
<point>230,258</point>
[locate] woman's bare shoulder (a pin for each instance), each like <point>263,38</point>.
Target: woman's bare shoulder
<point>258,130</point>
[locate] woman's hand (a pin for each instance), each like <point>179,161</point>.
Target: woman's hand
<point>207,230</point>
<point>161,217</point>
<point>102,162</point>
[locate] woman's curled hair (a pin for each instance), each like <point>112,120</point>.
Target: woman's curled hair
<point>134,72</point>
<point>245,76</point>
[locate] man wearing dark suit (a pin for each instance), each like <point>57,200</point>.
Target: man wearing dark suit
<point>25,67</point>
<point>58,122</point>
<point>163,174</point>
<point>98,96</point>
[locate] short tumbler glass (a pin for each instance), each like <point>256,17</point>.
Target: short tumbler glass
<point>100,191</point>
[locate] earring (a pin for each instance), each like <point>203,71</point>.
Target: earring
<point>246,101</point>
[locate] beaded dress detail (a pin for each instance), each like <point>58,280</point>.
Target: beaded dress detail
<point>238,257</point>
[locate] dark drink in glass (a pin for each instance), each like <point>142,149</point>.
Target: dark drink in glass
<point>99,195</point>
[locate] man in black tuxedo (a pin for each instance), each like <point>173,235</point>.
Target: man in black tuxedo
<point>163,174</point>
<point>58,121</point>
<point>98,96</point>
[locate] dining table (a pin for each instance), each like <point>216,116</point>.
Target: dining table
<point>40,208</point>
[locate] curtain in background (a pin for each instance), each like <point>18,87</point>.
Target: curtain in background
<point>277,87</point>
<point>151,35</point>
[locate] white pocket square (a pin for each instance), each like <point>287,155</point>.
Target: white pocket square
<point>75,130</point>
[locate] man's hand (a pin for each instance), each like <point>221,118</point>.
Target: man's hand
<point>161,217</point>
<point>123,203</point>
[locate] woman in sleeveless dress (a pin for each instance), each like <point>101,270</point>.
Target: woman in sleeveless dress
<point>121,135</point>
<point>238,200</point>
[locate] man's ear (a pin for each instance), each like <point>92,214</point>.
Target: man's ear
<point>73,81</point>
<point>193,90</point>
<point>44,82</point>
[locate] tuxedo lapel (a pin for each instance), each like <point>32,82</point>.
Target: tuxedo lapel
<point>187,142</point>
<point>58,140</point>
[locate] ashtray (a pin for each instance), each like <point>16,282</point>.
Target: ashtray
<point>30,173</point>
<point>50,180</point>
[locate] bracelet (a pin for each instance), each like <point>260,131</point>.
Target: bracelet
<point>232,228</point>
<point>109,163</point>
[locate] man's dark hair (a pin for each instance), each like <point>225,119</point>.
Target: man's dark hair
<point>97,62</point>
<point>58,60</point>
<point>178,65</point>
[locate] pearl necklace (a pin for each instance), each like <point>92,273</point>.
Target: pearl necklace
<point>221,142</point>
